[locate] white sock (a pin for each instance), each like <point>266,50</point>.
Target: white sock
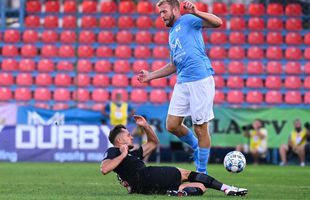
<point>225,187</point>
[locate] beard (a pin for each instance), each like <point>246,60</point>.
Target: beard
<point>170,21</point>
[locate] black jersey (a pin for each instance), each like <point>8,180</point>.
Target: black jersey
<point>128,168</point>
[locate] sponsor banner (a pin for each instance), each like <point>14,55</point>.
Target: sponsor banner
<point>8,114</point>
<point>65,143</point>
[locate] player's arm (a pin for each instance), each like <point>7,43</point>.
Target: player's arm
<point>109,165</point>
<point>209,20</point>
<point>152,140</point>
<point>168,69</point>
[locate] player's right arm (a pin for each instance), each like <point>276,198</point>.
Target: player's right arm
<point>168,69</point>
<point>108,165</point>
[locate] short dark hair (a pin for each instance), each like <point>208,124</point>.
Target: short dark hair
<point>115,131</point>
<point>172,3</point>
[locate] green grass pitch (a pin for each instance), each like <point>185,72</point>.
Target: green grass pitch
<point>84,181</point>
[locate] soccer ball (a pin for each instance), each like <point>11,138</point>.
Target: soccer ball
<point>234,162</point>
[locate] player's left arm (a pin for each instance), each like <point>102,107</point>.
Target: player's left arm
<point>152,140</point>
<point>209,20</point>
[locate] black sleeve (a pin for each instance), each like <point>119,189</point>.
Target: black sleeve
<point>138,152</point>
<point>111,153</point>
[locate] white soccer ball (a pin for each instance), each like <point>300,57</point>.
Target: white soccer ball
<point>234,162</point>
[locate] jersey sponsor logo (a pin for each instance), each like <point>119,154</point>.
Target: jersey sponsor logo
<point>176,44</point>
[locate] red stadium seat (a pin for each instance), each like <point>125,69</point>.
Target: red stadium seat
<point>162,37</point>
<point>81,95</point>
<point>275,9</point>
<point>6,79</point>
<point>293,9</point>
<point>123,51</point>
<point>135,83</point>
<point>42,105</point>
<point>121,66</point>
<point>255,67</point>
<point>11,36</point>
<point>254,97</point>
<point>126,22</point>
<point>62,79</point>
<point>89,6</point>
<point>255,52</point>
<point>126,7</point>
<point>85,51</point>
<point>42,94</point>
<point>32,21</point>
<point>157,64</point>
<point>274,24</point>
<point>82,80</point>
<point>69,6</point>
<point>293,38</point>
<point>254,82</point>
<point>84,65</point>
<point>293,24</point>
<point>27,65</point>
<point>274,52</point>
<point>29,50</point>
<point>107,22</point>
<point>100,95</point>
<point>161,52</point>
<point>50,21</point>
<point>274,38</point>
<point>108,7</point>
<point>219,81</point>
<point>64,66</point>
<point>138,96</point>
<point>273,97</point>
<point>101,80</point>
<point>5,94</point>
<point>237,9</point>
<point>68,36</point>
<point>293,67</point>
<point>256,9</point>
<point>306,98</point>
<point>256,23</point>
<point>66,51</point>
<point>43,79</point>
<point>52,6</point>
<point>307,82</point>
<point>61,94</point>
<point>87,36</point>
<point>60,106</point>
<point>293,97</point>
<point>88,21</point>
<point>273,82</point>
<point>159,24</point>
<point>202,6</point>
<point>160,82</point>
<point>217,52</point>
<point>307,53</point>
<point>120,80</point>
<point>144,22</point>
<point>30,36</point>
<point>22,94</point>
<point>292,82</point>
<point>237,23</point>
<point>104,52</point>
<point>9,51</point>
<point>139,65</point>
<point>103,66</point>
<point>69,21</point>
<point>144,7</point>
<point>293,53</point>
<point>49,36</point>
<point>219,8</point>
<point>274,67</point>
<point>158,96</point>
<point>235,97</point>
<point>236,38</point>
<point>49,51</point>
<point>9,65</point>
<point>172,80</point>
<point>105,37</point>
<point>33,6</point>
<point>235,82</point>
<point>218,37</point>
<point>144,37</point>
<point>219,97</point>
<point>307,68</point>
<point>256,38</point>
<point>236,67</point>
<point>142,52</point>
<point>124,37</point>
<point>236,52</point>
<point>219,67</point>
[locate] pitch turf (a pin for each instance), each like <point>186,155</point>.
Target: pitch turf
<point>84,181</point>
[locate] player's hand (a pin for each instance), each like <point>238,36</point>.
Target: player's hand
<point>190,7</point>
<point>124,150</point>
<point>140,121</point>
<point>144,76</point>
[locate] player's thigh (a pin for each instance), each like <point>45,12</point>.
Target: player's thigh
<point>174,121</point>
<point>179,103</point>
<point>201,100</point>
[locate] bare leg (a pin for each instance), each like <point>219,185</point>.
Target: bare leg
<point>202,132</point>
<point>283,151</point>
<point>255,155</point>
<point>301,153</point>
<point>175,125</point>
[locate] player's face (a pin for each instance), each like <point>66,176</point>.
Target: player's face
<point>297,124</point>
<point>125,137</point>
<point>167,14</point>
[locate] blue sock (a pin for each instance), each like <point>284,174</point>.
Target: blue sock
<point>203,157</point>
<point>190,139</point>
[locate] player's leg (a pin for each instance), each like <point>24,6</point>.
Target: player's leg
<point>255,155</point>
<point>204,145</point>
<point>301,154</point>
<point>188,189</point>
<point>283,154</point>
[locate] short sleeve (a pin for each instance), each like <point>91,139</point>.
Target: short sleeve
<point>138,152</point>
<point>194,21</point>
<point>111,153</point>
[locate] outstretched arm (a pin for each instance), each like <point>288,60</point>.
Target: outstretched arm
<point>145,76</point>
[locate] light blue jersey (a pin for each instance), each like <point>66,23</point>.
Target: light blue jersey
<point>187,49</point>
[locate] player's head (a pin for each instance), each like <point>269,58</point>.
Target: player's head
<point>169,11</point>
<point>297,123</point>
<point>258,123</point>
<point>120,135</point>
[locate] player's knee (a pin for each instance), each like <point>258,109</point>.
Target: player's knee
<point>171,127</point>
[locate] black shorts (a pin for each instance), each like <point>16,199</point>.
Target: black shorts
<point>157,180</point>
